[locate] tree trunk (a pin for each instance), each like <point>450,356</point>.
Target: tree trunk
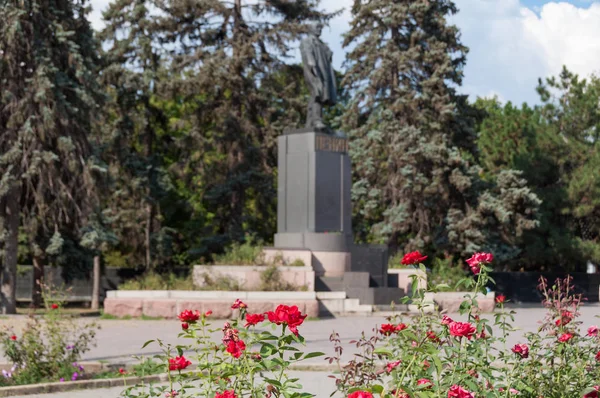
<point>148,240</point>
<point>96,284</point>
<point>38,280</point>
<point>8,298</point>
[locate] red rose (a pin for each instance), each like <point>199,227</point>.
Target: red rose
<point>238,304</point>
<point>236,348</point>
<point>54,306</point>
<point>253,319</point>
<point>592,331</point>
<point>122,371</point>
<point>387,329</point>
<point>446,320</point>
<point>392,365</point>
<point>565,337</point>
<point>284,314</point>
<point>592,394</point>
<point>360,394</point>
<point>598,356</point>
<point>400,327</point>
<point>208,313</point>
<point>478,259</point>
<point>500,298</point>
<point>226,394</point>
<point>185,326</point>
<point>171,394</point>
<point>459,392</point>
<point>178,363</point>
<point>565,318</point>
<point>424,382</point>
<point>462,329</point>
<point>413,258</point>
<point>521,349</point>
<point>13,337</point>
<point>189,316</point>
<point>433,337</point>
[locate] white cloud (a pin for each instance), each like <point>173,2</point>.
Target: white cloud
<point>511,45</point>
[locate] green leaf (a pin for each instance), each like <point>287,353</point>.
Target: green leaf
<point>383,351</point>
<point>313,355</point>
<point>146,343</point>
<point>377,389</point>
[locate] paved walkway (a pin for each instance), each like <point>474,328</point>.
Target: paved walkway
<point>119,340</point>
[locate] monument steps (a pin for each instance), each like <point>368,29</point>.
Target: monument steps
<point>357,285</point>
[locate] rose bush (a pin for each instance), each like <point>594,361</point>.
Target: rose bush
<point>422,355</point>
<point>437,356</point>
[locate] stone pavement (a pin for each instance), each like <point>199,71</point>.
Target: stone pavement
<point>119,340</point>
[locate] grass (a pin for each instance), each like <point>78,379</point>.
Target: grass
<point>110,317</point>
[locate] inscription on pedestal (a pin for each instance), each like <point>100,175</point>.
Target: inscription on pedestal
<point>331,144</point>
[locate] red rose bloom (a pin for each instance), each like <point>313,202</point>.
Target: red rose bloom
<point>360,394</point>
<point>592,394</point>
<point>226,394</point>
<point>424,382</point>
<point>462,329</point>
<point>387,329</point>
<point>392,365</point>
<point>238,304</point>
<point>592,331</point>
<point>598,356</point>
<point>236,348</point>
<point>400,327</point>
<point>122,371</point>
<point>189,316</point>
<point>413,258</point>
<point>284,314</point>
<point>13,337</point>
<point>458,392</point>
<point>477,259</point>
<point>446,320</point>
<point>433,337</point>
<point>565,337</point>
<point>500,298</point>
<point>54,306</point>
<point>178,363</point>
<point>253,319</point>
<point>565,318</point>
<point>208,313</point>
<point>521,349</point>
<point>185,326</point>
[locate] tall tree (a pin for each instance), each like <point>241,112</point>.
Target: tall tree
<point>49,100</point>
<point>132,143</point>
<point>413,137</point>
<point>555,145</point>
<point>227,54</point>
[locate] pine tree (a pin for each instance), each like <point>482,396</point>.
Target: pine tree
<point>48,60</point>
<point>230,56</point>
<point>413,137</point>
<point>133,138</point>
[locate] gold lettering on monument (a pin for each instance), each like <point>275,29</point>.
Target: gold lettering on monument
<point>331,144</point>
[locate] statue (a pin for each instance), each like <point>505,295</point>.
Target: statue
<point>319,76</point>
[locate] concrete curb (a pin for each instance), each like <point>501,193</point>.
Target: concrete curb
<point>48,388</point>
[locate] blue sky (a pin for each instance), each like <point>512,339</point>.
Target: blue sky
<point>512,42</point>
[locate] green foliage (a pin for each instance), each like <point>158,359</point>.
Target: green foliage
<point>445,272</point>
<point>554,146</point>
<point>48,348</point>
<point>272,281</point>
<point>220,283</point>
<point>155,281</point>
<point>249,252</point>
<point>416,181</point>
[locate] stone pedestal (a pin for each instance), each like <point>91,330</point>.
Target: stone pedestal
<point>314,208</point>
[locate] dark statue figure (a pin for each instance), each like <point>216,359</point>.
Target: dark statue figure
<point>319,75</point>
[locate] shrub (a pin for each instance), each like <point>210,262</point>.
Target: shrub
<point>155,281</point>
<point>250,252</point>
<point>48,349</point>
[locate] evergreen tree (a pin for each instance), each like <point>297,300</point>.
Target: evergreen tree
<point>413,137</point>
<point>133,138</point>
<point>230,59</point>
<point>48,60</point>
